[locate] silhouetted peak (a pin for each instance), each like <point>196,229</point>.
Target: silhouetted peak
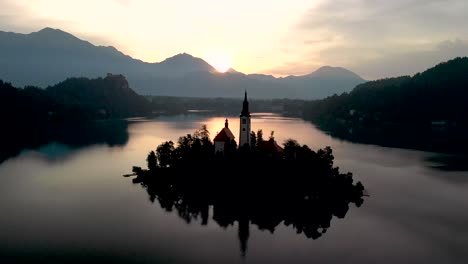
<point>186,60</point>
<point>232,71</point>
<point>52,32</point>
<point>329,71</point>
<point>179,57</point>
<point>50,37</point>
<point>263,77</point>
<point>49,30</point>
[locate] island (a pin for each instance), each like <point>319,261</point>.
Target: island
<point>258,182</point>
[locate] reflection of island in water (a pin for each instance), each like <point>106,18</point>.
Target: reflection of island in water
<point>249,189</point>
<point>17,138</point>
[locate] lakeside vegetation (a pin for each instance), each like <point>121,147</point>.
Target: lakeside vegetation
<point>34,117</point>
<point>427,111</point>
<point>74,99</point>
<point>170,105</point>
<point>435,96</point>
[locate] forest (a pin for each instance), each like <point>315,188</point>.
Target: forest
<point>71,100</point>
<point>435,96</point>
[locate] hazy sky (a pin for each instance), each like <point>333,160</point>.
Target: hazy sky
<point>374,38</point>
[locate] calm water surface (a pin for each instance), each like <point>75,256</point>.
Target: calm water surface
<point>67,201</point>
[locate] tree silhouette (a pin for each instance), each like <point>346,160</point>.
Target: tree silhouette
<point>164,154</point>
<point>152,161</point>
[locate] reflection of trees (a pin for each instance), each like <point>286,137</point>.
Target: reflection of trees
<point>15,139</point>
<point>301,190</point>
<point>426,138</point>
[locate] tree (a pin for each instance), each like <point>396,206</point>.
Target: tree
<point>202,134</point>
<point>326,156</point>
<point>151,160</point>
<point>259,136</point>
<point>291,149</point>
<point>165,153</point>
<point>253,140</point>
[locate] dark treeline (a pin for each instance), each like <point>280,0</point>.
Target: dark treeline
<point>71,100</point>
<point>226,106</point>
<point>298,186</point>
<point>436,95</point>
<point>427,111</point>
<point>33,117</point>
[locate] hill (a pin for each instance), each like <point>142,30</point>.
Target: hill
<point>50,55</point>
<point>102,97</point>
<point>426,111</point>
<point>72,99</point>
<point>437,94</point>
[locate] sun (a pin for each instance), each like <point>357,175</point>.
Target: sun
<point>219,60</point>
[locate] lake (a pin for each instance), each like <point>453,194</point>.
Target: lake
<point>64,200</point>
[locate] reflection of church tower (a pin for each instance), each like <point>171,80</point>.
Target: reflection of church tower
<point>244,227</point>
<point>244,129</point>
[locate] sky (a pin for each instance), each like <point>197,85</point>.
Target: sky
<point>374,38</point>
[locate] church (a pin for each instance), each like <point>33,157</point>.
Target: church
<point>225,137</point>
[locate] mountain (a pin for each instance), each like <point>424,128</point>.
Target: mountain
<point>185,63</point>
<point>72,99</point>
<point>334,72</point>
<point>102,97</point>
<point>50,55</point>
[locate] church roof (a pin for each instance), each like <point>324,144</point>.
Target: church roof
<point>271,146</point>
<point>224,135</point>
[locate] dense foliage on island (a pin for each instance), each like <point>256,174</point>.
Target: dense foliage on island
<point>258,185</point>
<point>72,99</point>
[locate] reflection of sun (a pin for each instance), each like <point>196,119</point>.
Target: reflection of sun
<point>219,60</point>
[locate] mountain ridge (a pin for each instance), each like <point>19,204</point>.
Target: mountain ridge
<point>50,55</point>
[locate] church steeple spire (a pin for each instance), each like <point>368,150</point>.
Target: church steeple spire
<point>245,106</point>
<point>244,132</point>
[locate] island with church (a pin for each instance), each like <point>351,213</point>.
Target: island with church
<point>254,182</point>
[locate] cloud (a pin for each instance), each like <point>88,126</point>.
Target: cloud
<point>380,38</point>
<point>408,63</point>
<point>16,16</point>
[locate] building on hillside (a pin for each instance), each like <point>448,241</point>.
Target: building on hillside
<point>244,128</point>
<point>223,139</point>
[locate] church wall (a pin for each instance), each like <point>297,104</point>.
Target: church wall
<point>219,146</point>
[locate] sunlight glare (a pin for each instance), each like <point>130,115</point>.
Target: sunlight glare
<point>219,60</point>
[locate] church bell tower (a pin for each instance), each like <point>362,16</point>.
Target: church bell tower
<point>244,128</point>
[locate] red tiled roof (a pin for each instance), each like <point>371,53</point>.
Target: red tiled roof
<point>271,146</point>
<point>224,135</point>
